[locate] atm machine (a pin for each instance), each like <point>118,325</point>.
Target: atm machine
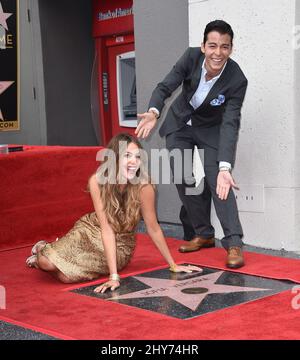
<point>114,69</point>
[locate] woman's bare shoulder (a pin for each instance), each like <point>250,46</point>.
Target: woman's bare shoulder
<point>93,183</point>
<point>93,180</point>
<point>147,191</point>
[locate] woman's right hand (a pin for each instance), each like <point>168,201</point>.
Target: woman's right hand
<point>112,284</point>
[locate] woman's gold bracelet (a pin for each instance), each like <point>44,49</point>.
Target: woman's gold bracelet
<point>114,277</point>
<point>173,267</point>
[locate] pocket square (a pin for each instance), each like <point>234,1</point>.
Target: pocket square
<point>218,101</point>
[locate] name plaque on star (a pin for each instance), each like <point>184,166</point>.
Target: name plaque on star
<point>9,69</point>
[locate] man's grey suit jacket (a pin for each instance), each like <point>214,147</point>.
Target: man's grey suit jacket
<point>222,118</point>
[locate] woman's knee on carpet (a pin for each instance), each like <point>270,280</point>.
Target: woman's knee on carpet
<point>44,263</point>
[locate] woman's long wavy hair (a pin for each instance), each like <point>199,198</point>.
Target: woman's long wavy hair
<point>121,206</point>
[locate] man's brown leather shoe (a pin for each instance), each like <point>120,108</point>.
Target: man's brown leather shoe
<point>196,244</point>
<point>235,257</point>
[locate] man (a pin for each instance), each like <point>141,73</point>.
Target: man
<point>206,114</point>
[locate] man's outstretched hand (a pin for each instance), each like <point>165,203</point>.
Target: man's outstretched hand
<point>224,183</point>
<point>147,123</point>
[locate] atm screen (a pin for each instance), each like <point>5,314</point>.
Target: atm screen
<point>126,84</point>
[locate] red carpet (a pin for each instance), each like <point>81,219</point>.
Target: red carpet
<point>42,195</point>
<point>43,191</point>
<point>36,300</point>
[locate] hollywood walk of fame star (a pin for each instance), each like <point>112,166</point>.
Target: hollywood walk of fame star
<point>4,85</point>
<point>3,17</point>
<point>182,290</point>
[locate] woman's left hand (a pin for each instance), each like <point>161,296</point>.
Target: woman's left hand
<point>187,269</point>
<point>112,284</point>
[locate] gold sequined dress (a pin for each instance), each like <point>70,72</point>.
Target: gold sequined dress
<point>79,254</point>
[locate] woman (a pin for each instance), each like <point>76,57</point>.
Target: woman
<point>103,242</point>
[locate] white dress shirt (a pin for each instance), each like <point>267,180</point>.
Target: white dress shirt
<point>200,95</point>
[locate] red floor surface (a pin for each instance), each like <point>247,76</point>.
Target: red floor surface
<point>43,199</point>
<point>39,302</point>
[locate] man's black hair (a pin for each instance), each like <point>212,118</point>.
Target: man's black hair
<point>220,26</point>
